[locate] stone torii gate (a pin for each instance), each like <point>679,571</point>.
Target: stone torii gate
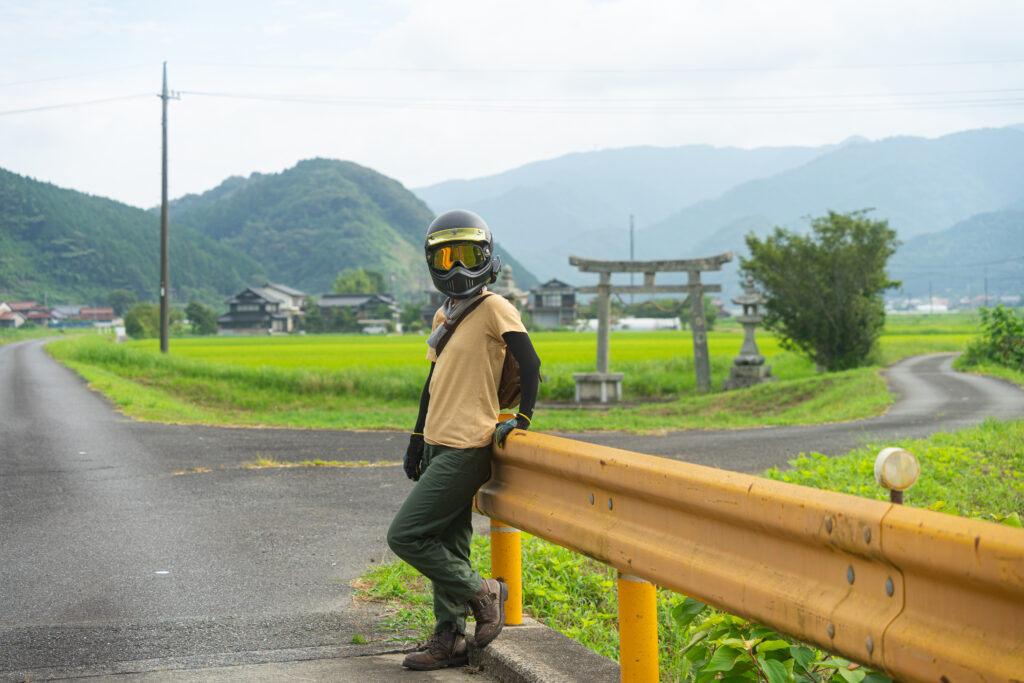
<point>603,386</point>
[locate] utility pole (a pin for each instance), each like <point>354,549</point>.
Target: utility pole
<point>631,256</point>
<point>986,287</point>
<point>165,285</point>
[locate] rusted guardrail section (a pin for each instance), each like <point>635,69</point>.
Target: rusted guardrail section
<point>922,596</point>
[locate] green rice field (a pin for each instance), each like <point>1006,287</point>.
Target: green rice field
<point>360,382</point>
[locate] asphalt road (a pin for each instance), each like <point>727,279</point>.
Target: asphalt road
<point>109,554</point>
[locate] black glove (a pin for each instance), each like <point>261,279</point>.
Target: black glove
<point>413,457</point>
<point>503,429</point>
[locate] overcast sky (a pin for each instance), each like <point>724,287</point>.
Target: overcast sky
<point>430,91</point>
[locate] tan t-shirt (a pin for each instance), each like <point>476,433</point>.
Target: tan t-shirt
<point>463,405</point>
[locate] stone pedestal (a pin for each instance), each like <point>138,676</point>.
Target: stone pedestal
<point>743,376</point>
<point>598,387</point>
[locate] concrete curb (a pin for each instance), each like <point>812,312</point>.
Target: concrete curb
<point>534,653</point>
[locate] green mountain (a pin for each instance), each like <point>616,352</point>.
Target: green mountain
<point>307,223</point>
<point>63,246</point>
<point>986,251</point>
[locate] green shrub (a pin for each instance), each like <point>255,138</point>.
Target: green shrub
<point>1001,341</point>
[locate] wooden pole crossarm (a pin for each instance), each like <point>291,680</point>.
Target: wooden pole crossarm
<point>599,266</point>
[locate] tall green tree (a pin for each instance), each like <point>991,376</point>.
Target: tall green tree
<point>359,281</point>
<point>710,313</point>
<point>411,319</point>
<point>202,319</point>
<point>313,321</point>
<point>121,300</point>
<point>143,320</point>
<point>824,289</point>
<point>342,319</point>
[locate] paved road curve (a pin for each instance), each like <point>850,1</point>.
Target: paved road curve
<point>931,398</point>
<point>109,556</point>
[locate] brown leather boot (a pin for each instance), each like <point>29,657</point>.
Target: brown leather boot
<point>488,607</point>
<point>445,648</point>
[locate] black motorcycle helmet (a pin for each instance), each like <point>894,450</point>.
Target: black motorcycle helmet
<point>460,254</point>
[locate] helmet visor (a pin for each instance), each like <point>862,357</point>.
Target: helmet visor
<point>457,234</point>
<point>469,255</point>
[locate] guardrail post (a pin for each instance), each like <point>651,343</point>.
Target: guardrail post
<point>507,563</point>
<point>638,629</point>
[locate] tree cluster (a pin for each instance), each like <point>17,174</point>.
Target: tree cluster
<point>1001,340</point>
<point>824,289</point>
<point>202,320</point>
<point>359,281</point>
<point>338,319</point>
<point>143,321</point>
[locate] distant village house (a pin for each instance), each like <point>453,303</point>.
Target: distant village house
<point>553,304</point>
<point>14,314</point>
<point>270,309</point>
<point>373,312</point>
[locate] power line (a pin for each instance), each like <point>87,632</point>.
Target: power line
<point>574,100</point>
<point>932,266</point>
<point>619,105</point>
<point>50,79</point>
<point>766,104</point>
<point>84,103</point>
<point>620,70</point>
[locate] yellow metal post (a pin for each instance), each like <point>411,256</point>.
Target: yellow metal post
<point>507,563</point>
<point>638,629</point>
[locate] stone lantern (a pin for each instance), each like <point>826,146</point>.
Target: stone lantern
<point>748,368</point>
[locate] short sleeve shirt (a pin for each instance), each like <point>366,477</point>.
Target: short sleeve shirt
<point>463,406</point>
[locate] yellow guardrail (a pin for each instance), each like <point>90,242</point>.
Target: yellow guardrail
<point>919,595</point>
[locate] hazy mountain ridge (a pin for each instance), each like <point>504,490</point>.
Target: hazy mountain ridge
<point>919,185</point>
<point>581,203</point>
<point>651,182</point>
<point>957,262</point>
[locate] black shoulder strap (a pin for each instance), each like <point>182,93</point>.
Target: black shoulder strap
<point>451,327</point>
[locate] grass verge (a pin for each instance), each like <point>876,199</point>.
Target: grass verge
<point>23,333</point>
<point>977,472</point>
<point>992,370</point>
<point>147,385</point>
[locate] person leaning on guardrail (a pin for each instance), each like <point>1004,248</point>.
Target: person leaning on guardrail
<point>449,453</point>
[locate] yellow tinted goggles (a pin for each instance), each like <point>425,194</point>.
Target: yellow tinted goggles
<point>445,257</point>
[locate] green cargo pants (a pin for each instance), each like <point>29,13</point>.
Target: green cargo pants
<point>433,529</point>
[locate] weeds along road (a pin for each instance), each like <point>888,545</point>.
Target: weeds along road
<point>113,560</point>
<point>931,397</point>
